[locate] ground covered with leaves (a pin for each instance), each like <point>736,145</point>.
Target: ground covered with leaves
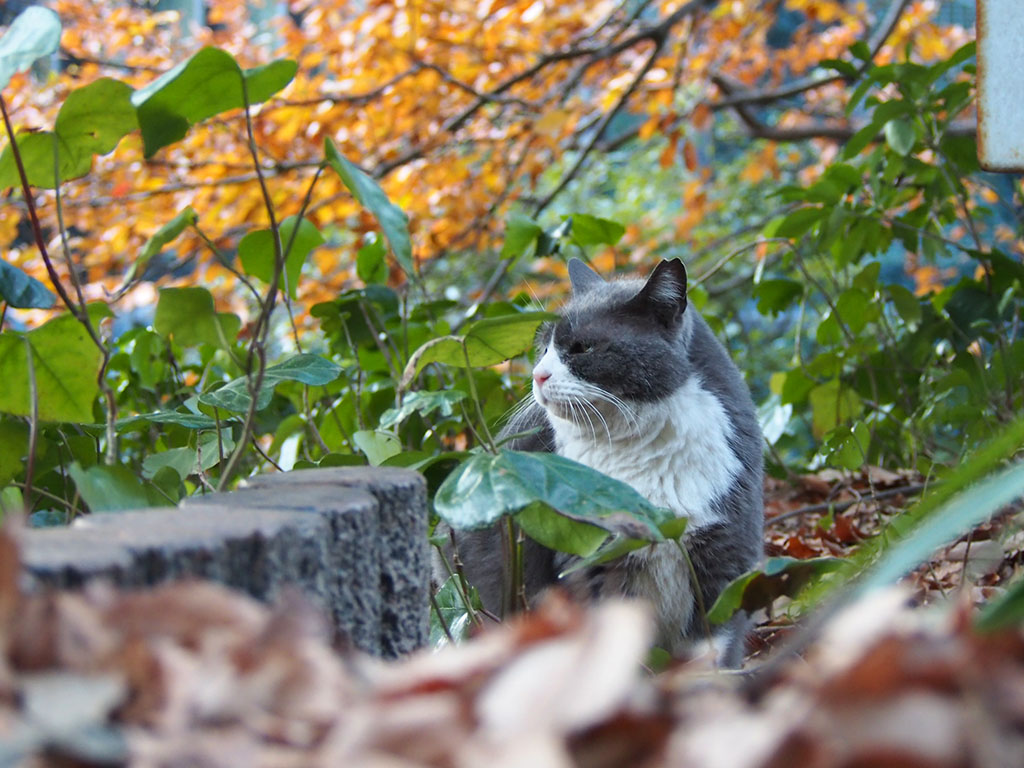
<point>193,674</point>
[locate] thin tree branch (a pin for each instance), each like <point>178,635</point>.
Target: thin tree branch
<point>874,42</point>
<point>840,506</point>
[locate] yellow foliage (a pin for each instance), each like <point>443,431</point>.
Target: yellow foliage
<point>422,95</point>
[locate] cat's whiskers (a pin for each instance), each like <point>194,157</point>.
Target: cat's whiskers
<point>628,416</point>
<point>517,410</point>
<point>604,422</point>
<point>577,404</point>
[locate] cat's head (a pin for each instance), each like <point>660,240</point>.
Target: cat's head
<point>620,341</point>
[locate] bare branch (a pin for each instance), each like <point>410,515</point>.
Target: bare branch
<point>801,85</point>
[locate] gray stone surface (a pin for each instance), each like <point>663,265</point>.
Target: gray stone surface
<point>352,597</point>
<point>353,542</point>
<point>405,555</point>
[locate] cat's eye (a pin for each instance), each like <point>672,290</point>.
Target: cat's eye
<point>578,348</point>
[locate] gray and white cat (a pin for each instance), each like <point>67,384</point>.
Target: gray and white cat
<point>634,384</point>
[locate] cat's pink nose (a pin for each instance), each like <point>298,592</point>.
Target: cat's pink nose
<point>540,377</point>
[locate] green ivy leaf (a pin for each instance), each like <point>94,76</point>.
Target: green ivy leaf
<point>453,613</point>
<point>780,576</point>
<point>777,295</point>
<point>305,368</point>
<point>203,86</point>
<point>556,531</point>
<point>23,291</point>
<point>34,33</point>
<point>113,488</point>
<point>93,119</point>
<point>832,404</point>
<point>393,222</point>
<point>256,251</point>
<point>488,486</point>
<point>187,316</point>
<point>797,223</point>
<point>186,420</point>
<point>591,230</point>
<point>848,447</point>
<point>900,136</point>
<point>66,364</point>
<point>371,261</point>
<point>379,446</point>
<point>489,341</point>
<point>181,460</point>
<point>521,232</point>
<point>13,449</point>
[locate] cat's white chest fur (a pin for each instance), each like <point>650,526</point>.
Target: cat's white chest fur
<point>675,452</point>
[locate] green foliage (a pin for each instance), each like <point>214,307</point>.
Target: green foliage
<point>256,251</point>
<point>209,83</point>
<point>22,291</point>
<point>393,221</point>
<point>759,588</point>
<point>489,486</point>
<point>91,122</point>
<point>396,375</point>
<point>33,34</point>
<point>887,376</point>
<point>187,316</point>
<point>50,370</point>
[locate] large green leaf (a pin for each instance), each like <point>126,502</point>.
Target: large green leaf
<point>618,545</point>
<point>832,404</point>
<point>13,449</point>
<point>256,251</point>
<point>23,291</point>
<point>188,316</point>
<point>205,85</point>
<point>33,34</point>
<point>488,342</point>
<point>777,295</point>
<point>65,362</point>
<point>93,119</point>
<point>488,486</point>
<point>558,532</point>
<point>371,261</point>
<point>306,368</point>
<point>393,222</point>
<point>900,136</point>
<point>591,230</point>
<point>759,588</point>
<point>378,445</point>
<point>520,233</point>
<point>113,488</point>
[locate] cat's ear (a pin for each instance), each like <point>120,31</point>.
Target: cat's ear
<point>582,277</point>
<point>664,295</point>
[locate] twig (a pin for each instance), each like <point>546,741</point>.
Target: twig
<point>659,42</point>
<point>33,423</point>
<point>257,352</point>
<point>796,87</point>
<point>839,506</point>
<point>110,455</point>
<point>440,616</point>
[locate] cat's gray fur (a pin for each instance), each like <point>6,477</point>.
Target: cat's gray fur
<point>641,346</point>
